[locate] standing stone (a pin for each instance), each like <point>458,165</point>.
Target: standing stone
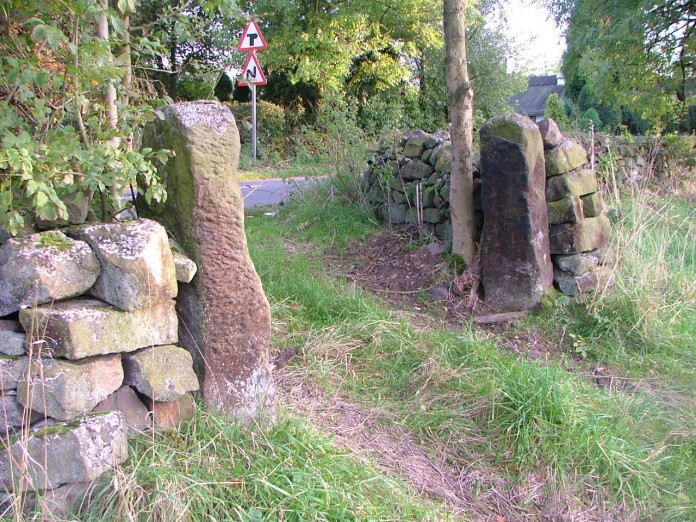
<point>65,454</point>
<point>40,268</point>
<point>65,389</point>
<point>225,316</point>
<point>137,268</point>
<point>516,266</point>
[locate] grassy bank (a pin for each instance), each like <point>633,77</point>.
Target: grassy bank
<point>599,426</point>
<point>623,450</point>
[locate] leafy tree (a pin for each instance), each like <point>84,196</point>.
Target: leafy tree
<point>59,131</point>
<point>635,54</point>
<point>556,110</point>
<point>195,43</point>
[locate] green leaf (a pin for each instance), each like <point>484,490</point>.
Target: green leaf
<point>40,200</point>
<point>31,187</point>
<point>5,200</point>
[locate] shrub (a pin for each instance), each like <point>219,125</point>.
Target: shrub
<point>270,125</point>
<point>590,117</point>
<point>555,110</point>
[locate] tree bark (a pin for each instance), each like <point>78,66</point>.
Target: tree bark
<point>460,97</point>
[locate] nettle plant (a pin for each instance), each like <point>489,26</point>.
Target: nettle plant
<point>70,108</point>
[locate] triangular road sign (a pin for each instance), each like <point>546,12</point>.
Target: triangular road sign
<point>252,73</point>
<point>252,39</point>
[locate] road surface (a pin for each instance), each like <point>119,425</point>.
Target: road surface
<point>269,191</point>
<point>258,192</point>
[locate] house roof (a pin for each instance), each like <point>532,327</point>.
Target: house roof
<point>532,102</point>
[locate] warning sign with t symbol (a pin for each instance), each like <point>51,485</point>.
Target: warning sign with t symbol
<point>252,39</point>
<point>252,73</point>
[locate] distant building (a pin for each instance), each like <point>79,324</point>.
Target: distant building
<point>532,102</point>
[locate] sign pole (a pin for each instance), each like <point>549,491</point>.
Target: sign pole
<point>253,123</point>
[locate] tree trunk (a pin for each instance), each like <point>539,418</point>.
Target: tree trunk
<point>460,96</point>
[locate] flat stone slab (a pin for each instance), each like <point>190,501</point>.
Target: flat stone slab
<point>171,415</point>
<point>569,284</point>
<point>66,453</point>
<point>592,204</point>
<point>551,135</point>
<point>125,400</point>
<point>163,373</point>
<point>576,183</point>
<point>566,210</point>
<point>416,169</point>
<point>415,144</point>
<point>565,157</point>
<point>64,389</point>
<point>572,238</point>
<point>85,327</point>
<point>12,369</point>
<point>13,414</point>
<point>41,268</point>
<point>12,343</point>
<point>137,268</point>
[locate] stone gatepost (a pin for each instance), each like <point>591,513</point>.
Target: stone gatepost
<point>515,260</point>
<point>224,313</point>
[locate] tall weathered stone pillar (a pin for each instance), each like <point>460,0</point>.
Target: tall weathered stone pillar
<point>224,313</point>
<point>515,260</point>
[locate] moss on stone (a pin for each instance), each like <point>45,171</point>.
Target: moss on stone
<point>56,240</point>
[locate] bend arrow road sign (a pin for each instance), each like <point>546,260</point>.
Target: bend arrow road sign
<point>252,73</point>
<point>252,39</point>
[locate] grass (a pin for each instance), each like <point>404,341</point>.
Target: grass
<point>216,470</point>
<point>524,430</point>
<point>624,453</point>
<point>301,166</point>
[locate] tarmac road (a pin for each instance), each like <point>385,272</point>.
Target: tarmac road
<point>269,191</point>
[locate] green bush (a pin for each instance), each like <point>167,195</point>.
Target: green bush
<point>270,126</point>
<point>555,110</point>
<point>590,117</point>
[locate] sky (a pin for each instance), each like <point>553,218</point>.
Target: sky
<point>539,40</point>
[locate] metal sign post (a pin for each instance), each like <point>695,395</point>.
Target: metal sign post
<point>252,74</point>
<point>253,123</point>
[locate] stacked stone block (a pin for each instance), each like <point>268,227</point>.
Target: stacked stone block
<point>402,165</point>
<point>88,334</point>
<point>579,228</point>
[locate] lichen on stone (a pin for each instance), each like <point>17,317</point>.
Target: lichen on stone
<point>210,114</point>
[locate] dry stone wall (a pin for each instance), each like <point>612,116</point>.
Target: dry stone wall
<point>413,171</point>
<point>408,184</point>
<point>88,354</point>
